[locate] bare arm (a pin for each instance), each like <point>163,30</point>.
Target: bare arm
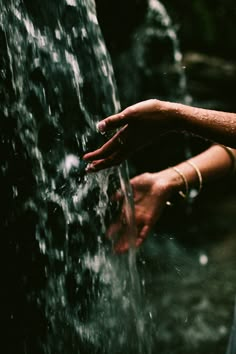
<point>144,122</point>
<point>152,191</point>
<point>214,125</point>
<point>214,163</point>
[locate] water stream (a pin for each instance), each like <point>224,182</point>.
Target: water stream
<point>65,289</point>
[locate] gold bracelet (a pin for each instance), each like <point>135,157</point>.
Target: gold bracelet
<point>181,193</point>
<point>198,174</point>
<point>232,157</point>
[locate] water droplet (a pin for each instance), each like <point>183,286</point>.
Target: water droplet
<point>203,259</point>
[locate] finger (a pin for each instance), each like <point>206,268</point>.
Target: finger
<point>144,232</point>
<point>142,235</point>
<point>110,161</point>
<point>112,122</point>
<point>138,242</point>
<point>119,119</point>
<point>118,227</point>
<point>114,144</point>
<point>122,247</point>
<point>117,196</point>
<point>113,230</point>
<point>123,244</point>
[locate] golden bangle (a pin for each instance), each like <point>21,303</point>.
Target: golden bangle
<point>181,193</point>
<point>200,181</point>
<point>232,157</point>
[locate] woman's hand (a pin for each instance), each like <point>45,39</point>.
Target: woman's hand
<point>151,192</point>
<point>139,125</point>
<point>143,122</point>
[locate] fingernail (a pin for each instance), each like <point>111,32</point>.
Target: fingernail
<point>101,127</point>
<point>90,168</point>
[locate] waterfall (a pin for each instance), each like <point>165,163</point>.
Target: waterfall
<point>65,290</point>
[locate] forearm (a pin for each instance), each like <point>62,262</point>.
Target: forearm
<point>214,163</point>
<point>144,122</point>
<point>217,126</point>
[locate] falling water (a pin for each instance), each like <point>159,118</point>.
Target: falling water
<point>167,30</point>
<point>65,289</point>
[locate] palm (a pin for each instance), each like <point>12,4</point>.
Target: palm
<point>149,202</point>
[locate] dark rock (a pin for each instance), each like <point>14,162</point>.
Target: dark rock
<point>211,80</point>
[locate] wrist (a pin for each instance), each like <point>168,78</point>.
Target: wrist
<point>169,181</point>
<point>174,114</point>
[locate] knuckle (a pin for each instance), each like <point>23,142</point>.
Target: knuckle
<point>132,110</point>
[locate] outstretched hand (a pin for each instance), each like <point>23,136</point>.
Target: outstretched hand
<point>151,191</point>
<point>138,126</point>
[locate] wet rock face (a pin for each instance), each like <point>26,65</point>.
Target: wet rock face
<point>211,80</point>
<point>55,80</point>
<point>45,13</point>
<point>142,44</point>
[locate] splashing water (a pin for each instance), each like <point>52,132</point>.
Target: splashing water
<point>66,291</point>
<point>63,289</point>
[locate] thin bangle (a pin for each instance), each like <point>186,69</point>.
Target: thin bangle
<point>231,155</point>
<point>181,193</point>
<point>200,181</point>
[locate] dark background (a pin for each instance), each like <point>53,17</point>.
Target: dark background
<point>205,38</point>
<point>191,305</point>
<point>182,287</point>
